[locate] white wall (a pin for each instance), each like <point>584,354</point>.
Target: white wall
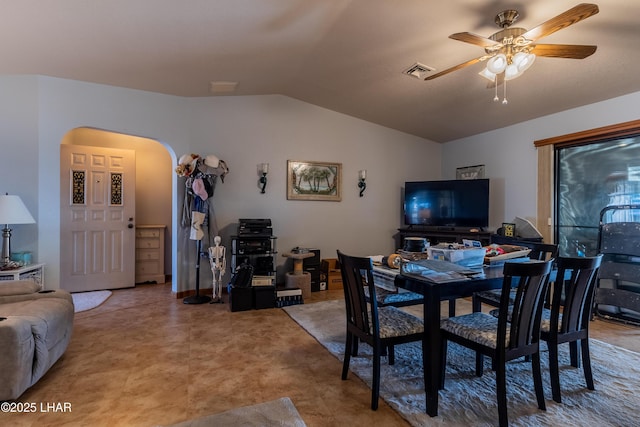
<point>511,159</point>
<point>64,105</point>
<point>38,111</point>
<point>244,131</point>
<point>247,131</point>
<point>19,156</point>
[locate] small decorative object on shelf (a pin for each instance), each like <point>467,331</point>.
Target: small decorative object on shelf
<point>470,172</point>
<point>508,229</point>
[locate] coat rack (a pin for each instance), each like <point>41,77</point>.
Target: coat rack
<point>197,298</point>
<point>200,173</point>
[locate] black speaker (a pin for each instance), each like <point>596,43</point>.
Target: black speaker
<point>263,264</point>
<point>264,297</point>
<point>312,261</point>
<point>315,277</point>
<point>241,299</point>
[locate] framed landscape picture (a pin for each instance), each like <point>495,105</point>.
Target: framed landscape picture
<point>314,181</point>
<point>470,172</point>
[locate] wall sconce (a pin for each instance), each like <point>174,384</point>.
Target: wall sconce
<point>264,170</point>
<point>362,175</point>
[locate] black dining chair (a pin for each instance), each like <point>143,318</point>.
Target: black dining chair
<point>539,252</point>
<point>380,327</point>
<point>395,298</point>
<point>515,333</point>
<point>568,319</point>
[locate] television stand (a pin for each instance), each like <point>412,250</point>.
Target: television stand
<point>437,235</point>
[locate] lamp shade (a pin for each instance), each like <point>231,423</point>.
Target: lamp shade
<point>523,60</point>
<point>497,64</point>
<point>511,72</point>
<point>13,211</point>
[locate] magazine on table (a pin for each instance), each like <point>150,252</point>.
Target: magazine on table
<point>441,271</point>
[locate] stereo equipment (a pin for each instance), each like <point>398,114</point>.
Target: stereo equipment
<point>248,246</point>
<point>256,227</point>
<point>263,264</point>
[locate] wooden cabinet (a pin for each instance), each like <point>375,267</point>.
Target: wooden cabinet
<point>150,254</point>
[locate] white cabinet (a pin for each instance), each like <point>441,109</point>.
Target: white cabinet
<point>150,254</point>
<point>34,272</point>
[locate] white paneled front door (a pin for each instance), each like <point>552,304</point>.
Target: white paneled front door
<point>97,228</point>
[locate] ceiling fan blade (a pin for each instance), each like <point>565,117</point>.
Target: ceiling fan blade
<point>572,51</point>
<point>457,67</point>
<point>473,39</point>
<point>570,17</point>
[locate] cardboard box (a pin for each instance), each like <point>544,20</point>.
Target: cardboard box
<point>261,280</point>
<point>331,269</point>
<point>464,256</point>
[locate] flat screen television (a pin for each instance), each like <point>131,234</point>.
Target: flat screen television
<point>450,204</point>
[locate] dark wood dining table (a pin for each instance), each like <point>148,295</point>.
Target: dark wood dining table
<point>433,294</point>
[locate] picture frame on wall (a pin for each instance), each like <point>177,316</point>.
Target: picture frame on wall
<point>310,180</point>
<point>470,172</point>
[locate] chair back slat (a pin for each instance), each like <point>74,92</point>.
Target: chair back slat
<point>543,251</point>
<point>577,277</point>
<point>356,275</point>
<point>531,279</point>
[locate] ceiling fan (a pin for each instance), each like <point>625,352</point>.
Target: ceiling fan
<point>512,50</point>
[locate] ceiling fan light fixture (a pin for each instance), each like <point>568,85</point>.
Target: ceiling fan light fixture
<point>523,60</point>
<point>511,72</point>
<point>508,52</point>
<point>497,64</point>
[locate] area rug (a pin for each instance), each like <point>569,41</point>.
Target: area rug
<point>83,301</point>
<point>279,412</point>
<point>468,400</point>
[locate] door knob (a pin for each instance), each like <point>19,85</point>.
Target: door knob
<point>130,226</point>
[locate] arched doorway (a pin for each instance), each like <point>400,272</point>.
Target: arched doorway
<point>153,176</point>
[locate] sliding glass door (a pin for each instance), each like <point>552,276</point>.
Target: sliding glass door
<point>590,177</point>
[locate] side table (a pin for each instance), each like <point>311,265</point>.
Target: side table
<point>32,271</point>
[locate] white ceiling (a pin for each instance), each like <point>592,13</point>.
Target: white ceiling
<point>344,55</point>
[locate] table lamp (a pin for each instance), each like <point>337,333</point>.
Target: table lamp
<point>12,211</point>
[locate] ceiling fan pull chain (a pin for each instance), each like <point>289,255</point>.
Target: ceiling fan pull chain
<point>495,81</point>
<point>504,100</point>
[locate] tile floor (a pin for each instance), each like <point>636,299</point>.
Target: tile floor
<point>144,358</point>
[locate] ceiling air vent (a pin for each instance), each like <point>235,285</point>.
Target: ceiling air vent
<point>419,71</point>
